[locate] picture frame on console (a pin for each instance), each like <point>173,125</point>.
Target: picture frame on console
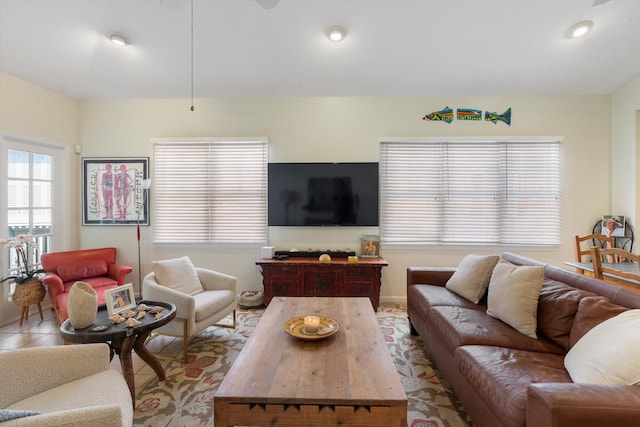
<point>120,299</point>
<point>112,191</point>
<point>369,246</point>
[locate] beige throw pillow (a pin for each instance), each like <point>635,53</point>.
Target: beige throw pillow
<point>607,354</point>
<point>178,274</point>
<point>472,276</point>
<point>513,295</point>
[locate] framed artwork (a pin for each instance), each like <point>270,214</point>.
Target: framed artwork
<point>119,299</point>
<point>613,225</point>
<point>112,191</point>
<point>369,246</point>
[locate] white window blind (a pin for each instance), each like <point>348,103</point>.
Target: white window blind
<point>212,191</point>
<point>470,192</point>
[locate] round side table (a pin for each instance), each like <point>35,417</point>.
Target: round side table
<point>123,340</point>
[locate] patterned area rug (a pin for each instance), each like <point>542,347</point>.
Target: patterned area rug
<point>185,397</point>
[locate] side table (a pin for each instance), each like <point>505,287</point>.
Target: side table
<point>28,293</point>
<point>123,340</point>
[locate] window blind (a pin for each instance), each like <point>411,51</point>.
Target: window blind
<point>212,191</point>
<point>470,192</point>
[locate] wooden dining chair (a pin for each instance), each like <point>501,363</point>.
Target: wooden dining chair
<point>583,245</point>
<point>615,264</point>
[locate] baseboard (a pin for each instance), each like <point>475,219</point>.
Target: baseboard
<point>394,300</point>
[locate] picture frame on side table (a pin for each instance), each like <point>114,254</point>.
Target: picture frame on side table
<point>112,191</point>
<point>369,246</point>
<point>120,299</point>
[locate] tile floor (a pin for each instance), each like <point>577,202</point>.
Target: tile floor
<point>40,333</point>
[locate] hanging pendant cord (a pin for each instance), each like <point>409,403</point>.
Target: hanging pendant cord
<point>192,107</point>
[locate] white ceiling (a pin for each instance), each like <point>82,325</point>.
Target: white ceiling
<point>393,47</point>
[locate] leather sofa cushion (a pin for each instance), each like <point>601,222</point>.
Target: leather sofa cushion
<point>82,270</point>
<point>457,326</point>
<point>591,312</point>
<point>557,307</point>
<point>500,376</point>
<point>423,297</point>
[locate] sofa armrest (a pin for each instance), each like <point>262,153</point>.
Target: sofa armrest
<point>436,276</point>
<point>118,272</point>
<point>54,286</point>
<point>103,416</point>
<point>585,405</point>
<point>214,281</point>
<point>29,371</point>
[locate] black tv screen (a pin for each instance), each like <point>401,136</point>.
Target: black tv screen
<point>323,194</point>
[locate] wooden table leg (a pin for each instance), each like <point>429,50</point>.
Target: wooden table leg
<point>24,314</point>
<point>221,414</point>
<point>123,350</point>
<point>149,358</point>
<point>40,311</point>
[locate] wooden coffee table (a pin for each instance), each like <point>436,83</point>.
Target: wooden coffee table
<point>346,379</point>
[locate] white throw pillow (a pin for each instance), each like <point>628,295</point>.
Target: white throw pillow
<point>513,295</point>
<point>608,353</point>
<point>472,276</point>
<point>178,274</point>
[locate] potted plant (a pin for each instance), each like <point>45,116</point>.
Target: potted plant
<point>21,244</point>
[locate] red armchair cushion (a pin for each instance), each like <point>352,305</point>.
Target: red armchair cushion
<point>79,271</point>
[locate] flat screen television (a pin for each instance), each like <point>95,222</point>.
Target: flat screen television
<point>323,194</point>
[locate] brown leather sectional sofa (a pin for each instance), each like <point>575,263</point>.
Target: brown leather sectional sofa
<point>504,378</point>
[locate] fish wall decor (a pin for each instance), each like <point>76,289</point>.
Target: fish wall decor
<point>446,115</point>
<point>468,114</point>
<point>495,117</point>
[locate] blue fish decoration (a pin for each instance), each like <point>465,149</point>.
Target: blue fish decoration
<point>495,117</point>
<point>444,115</point>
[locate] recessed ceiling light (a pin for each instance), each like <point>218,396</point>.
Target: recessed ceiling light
<point>580,29</point>
<point>336,33</point>
<point>118,39</point>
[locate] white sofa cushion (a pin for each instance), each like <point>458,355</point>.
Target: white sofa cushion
<point>607,354</point>
<point>513,295</point>
<point>178,274</point>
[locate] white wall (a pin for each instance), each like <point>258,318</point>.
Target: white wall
<point>625,199</point>
<point>348,129</point>
<point>36,114</point>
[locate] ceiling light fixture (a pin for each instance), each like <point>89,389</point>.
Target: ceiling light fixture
<point>580,29</point>
<point>118,39</point>
<point>336,33</point>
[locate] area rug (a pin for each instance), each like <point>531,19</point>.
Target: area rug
<point>185,397</point>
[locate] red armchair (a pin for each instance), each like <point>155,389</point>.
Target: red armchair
<point>95,266</point>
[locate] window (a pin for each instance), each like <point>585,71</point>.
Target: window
<point>470,192</point>
<point>29,201</point>
<point>210,191</point>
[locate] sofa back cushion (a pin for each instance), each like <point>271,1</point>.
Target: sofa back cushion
<point>557,307</point>
<point>82,270</point>
<point>472,276</point>
<point>591,312</point>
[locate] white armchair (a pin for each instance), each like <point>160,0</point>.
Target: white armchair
<point>202,297</point>
<point>70,385</point>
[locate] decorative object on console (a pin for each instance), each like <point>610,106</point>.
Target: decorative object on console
<point>369,246</point>
<point>267,252</point>
<point>111,186</point>
<point>324,258</point>
<point>82,305</point>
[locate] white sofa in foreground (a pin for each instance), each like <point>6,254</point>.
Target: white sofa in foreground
<point>70,385</point>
